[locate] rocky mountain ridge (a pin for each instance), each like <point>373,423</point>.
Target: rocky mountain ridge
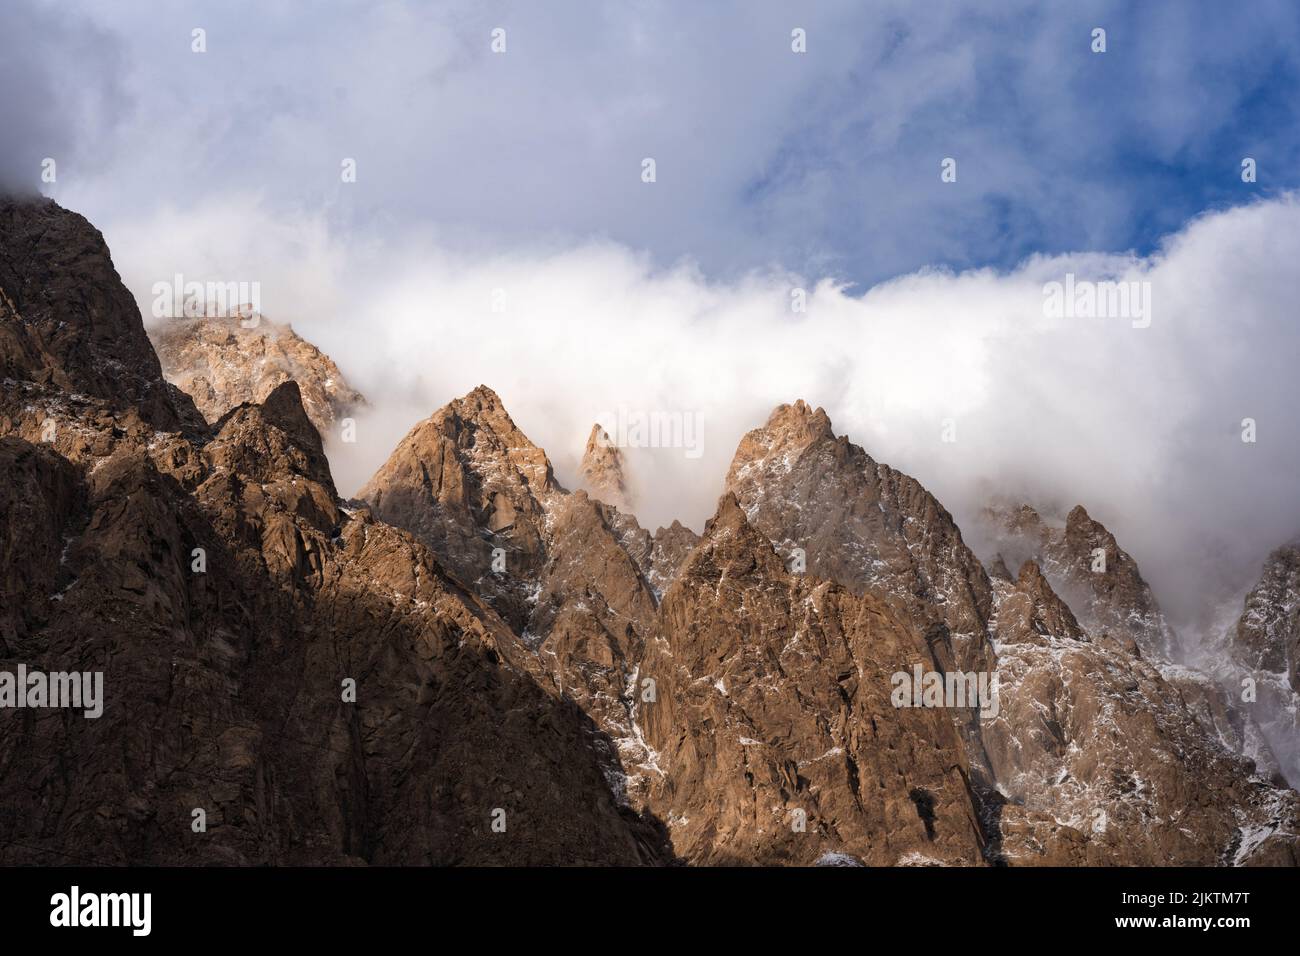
<point>471,664</point>
<point>229,598</point>
<point>1085,562</point>
<point>1257,656</point>
<point>222,362</point>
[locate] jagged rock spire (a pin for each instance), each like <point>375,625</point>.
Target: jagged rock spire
<point>603,470</point>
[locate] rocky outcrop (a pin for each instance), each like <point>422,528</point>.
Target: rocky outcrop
<point>42,491</point>
<point>66,320</point>
<point>602,471</point>
<point>765,697</point>
<point>658,555</point>
<point>1267,636</point>
<point>1104,586</point>
<point>1258,660</point>
<point>1084,562</point>
<point>285,680</point>
<point>828,506</point>
<point>222,362</point>
<point>1092,744</point>
<point>570,574</point>
<point>1104,761</point>
<point>669,548</point>
<point>472,487</point>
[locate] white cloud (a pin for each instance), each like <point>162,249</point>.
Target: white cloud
<point>1141,425</point>
<point>826,162</point>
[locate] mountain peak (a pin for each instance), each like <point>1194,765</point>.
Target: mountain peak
<point>859,522</point>
<point>284,408</point>
<point>603,470</point>
<point>729,516</point>
<point>481,426</point>
<point>483,403</point>
<point>224,361</point>
<point>466,481</point>
<point>730,548</point>
<point>790,430</point>
<point>799,421</point>
<point>1048,613</point>
<point>271,440</point>
<point>1080,519</point>
<point>1085,562</point>
<point>67,320</point>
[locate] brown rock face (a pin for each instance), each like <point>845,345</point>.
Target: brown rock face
<point>1262,669</point>
<point>669,548</point>
<point>571,575</point>
<point>1098,578</point>
<point>1267,636</point>
<point>774,738</point>
<point>1091,744</point>
<point>42,489</point>
<point>243,716</point>
<point>1105,761</point>
<point>1117,607</point>
<point>54,331</point>
<point>1115,602</point>
<point>862,524</point>
<point>831,509</point>
<point>471,486</point>
<point>307,677</point>
<point>221,364</point>
<point>1031,609</point>
<point>602,470</point>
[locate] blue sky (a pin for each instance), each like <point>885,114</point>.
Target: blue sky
<point>825,163</point>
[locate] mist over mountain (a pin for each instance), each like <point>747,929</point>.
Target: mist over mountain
<point>591,293</point>
<point>1144,424</point>
<point>525,650</point>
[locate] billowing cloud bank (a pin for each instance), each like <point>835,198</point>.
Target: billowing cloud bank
<point>969,382</point>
